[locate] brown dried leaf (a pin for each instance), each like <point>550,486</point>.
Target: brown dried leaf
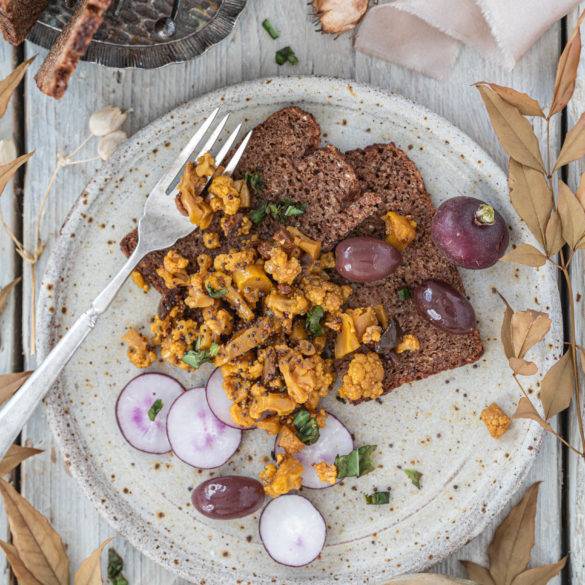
<point>24,576</point>
<point>522,367</point>
<point>531,197</point>
<point>10,83</point>
<point>38,545</point>
<point>574,145</point>
<point>527,255</point>
<point>5,293</point>
<point>540,575</point>
<point>10,383</point>
<point>582,358</point>
<point>526,409</point>
<point>567,71</point>
<point>526,105</point>
<point>527,329</point>
<point>513,540</point>
<point>478,573</point>
<point>90,571</point>
<point>8,171</point>
<point>572,217</point>
<point>506,330</point>
<point>15,456</point>
<point>554,234</point>
<point>513,129</point>
<point>556,388</point>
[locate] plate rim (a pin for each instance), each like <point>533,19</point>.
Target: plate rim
<point>533,435</point>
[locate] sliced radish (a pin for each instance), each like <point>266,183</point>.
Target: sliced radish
<point>334,439</point>
<point>292,530</point>
<point>196,435</point>
<point>219,401</point>
<point>142,410</point>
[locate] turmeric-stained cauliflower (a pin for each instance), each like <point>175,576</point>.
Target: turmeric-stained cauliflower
<point>325,293</point>
<point>363,378</point>
<point>496,420</point>
<point>234,260</point>
<point>326,472</point>
<point>283,477</point>
<point>282,268</point>
<point>289,441</point>
<point>173,270</point>
<point>224,195</point>
<point>287,305</point>
<point>139,351</point>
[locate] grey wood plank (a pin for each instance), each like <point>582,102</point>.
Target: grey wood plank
<point>247,54</point>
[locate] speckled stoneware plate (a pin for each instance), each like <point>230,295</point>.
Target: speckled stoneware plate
<point>432,425</point>
<point>130,37</point>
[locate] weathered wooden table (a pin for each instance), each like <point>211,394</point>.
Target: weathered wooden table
<point>37,122</point>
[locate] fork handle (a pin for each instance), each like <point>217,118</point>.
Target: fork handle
<point>20,407</point>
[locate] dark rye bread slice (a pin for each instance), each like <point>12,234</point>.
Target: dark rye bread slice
<point>61,62</point>
<point>387,171</point>
<point>17,17</point>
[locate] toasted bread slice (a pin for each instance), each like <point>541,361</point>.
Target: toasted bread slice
<point>17,17</point>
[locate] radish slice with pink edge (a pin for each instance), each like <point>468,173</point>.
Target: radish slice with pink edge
<point>219,401</point>
<point>196,435</point>
<point>334,439</point>
<point>292,530</point>
<point>142,409</point>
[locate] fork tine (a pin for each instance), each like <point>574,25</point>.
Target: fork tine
<point>214,135</point>
<point>176,167</point>
<point>228,144</point>
<point>231,167</point>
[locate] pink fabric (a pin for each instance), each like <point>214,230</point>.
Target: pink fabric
<point>425,35</point>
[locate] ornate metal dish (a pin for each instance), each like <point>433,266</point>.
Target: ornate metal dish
<point>130,36</point>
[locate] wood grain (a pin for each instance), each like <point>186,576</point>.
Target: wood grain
<point>247,54</point>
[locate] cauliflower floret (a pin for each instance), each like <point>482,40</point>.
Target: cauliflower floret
<point>408,342</point>
<point>139,281</point>
<point>224,195</point>
<point>496,420</point>
<point>283,477</point>
<point>205,166</point>
<point>219,321</point>
<point>161,328</point>
<point>289,306</point>
<point>289,441</point>
<point>282,268</point>
<point>197,297</point>
<point>211,240</point>
<point>326,472</point>
<point>178,342</point>
<point>323,292</point>
<point>364,377</point>
<point>139,351</point>
<point>372,334</point>
<point>234,260</point>
<point>173,270</point>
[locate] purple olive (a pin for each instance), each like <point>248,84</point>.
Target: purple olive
<point>231,496</point>
<point>444,306</point>
<point>365,259</point>
<point>469,232</point>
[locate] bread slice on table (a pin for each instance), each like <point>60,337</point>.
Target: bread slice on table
<point>61,62</point>
<point>388,172</point>
<point>17,17</point>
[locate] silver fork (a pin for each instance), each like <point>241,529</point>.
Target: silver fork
<point>160,226</point>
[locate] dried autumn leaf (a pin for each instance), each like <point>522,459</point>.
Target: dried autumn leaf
<point>567,71</point>
<point>527,329</point>
<point>506,330</point>
<point>90,571</point>
<point>15,456</point>
<point>531,197</point>
<point>8,171</point>
<point>10,83</point>
<point>522,367</point>
<point>526,105</point>
<point>477,573</point>
<point>10,383</point>
<point>556,388</point>
<point>5,293</point>
<point>513,540</point>
<point>582,358</point>
<point>540,575</point>
<point>572,217</point>
<point>513,130</point>
<point>554,234</point>
<point>527,255</point>
<point>574,145</point>
<point>24,576</point>
<point>526,409</point>
<point>38,545</point>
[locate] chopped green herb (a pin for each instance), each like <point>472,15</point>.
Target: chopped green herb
<point>197,357</point>
<point>156,407</point>
<point>257,215</point>
<point>254,182</point>
<point>215,293</point>
<point>115,568</point>
<point>378,498</point>
<point>279,210</point>
<point>290,208</point>
<point>404,293</point>
<point>357,463</point>
<point>306,426</point>
<point>415,477</point>
<point>286,55</point>
<point>313,321</point>
<point>269,28</point>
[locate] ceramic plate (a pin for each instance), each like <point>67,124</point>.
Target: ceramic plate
<point>432,425</point>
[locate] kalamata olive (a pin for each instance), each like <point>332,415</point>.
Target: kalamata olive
<point>231,496</point>
<point>469,232</point>
<point>444,306</point>
<point>365,259</point>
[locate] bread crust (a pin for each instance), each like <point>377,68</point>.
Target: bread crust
<point>17,17</point>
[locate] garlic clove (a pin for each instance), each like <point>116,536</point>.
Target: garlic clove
<point>338,16</point>
<point>109,143</point>
<point>106,120</point>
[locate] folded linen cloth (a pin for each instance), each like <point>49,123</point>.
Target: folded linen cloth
<point>425,35</point>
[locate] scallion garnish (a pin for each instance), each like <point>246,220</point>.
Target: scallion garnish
<point>286,55</point>
<point>404,293</point>
<point>306,426</point>
<point>269,28</point>
<point>156,407</point>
